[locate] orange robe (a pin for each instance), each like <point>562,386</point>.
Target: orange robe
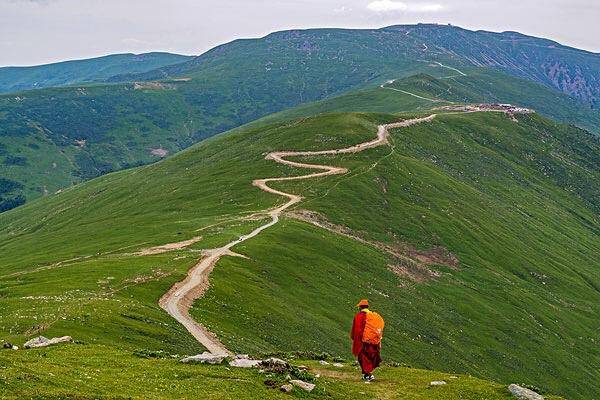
<point>368,355</point>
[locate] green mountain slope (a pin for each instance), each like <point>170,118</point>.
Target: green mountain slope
<point>516,202</point>
<point>52,138</point>
<point>104,128</point>
<point>13,79</point>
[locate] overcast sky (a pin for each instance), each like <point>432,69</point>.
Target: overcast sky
<point>41,31</point>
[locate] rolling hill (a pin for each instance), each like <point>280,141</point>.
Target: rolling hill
<point>53,138</point>
<point>16,79</point>
<point>475,234</point>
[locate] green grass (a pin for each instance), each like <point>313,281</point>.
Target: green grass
<point>515,202</point>
<point>105,373</point>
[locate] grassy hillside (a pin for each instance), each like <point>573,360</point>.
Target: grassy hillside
<point>515,202</point>
<point>13,79</point>
<point>477,85</point>
<point>53,138</point>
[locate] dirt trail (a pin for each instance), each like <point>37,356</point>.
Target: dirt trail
<point>383,86</point>
<point>180,297</point>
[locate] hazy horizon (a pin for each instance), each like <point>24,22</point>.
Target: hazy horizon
<point>38,32</point>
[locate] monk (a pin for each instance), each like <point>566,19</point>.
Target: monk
<point>368,355</point>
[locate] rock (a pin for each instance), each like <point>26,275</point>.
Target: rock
<point>286,388</point>
<point>522,393</point>
<point>242,356</point>
<point>338,365</point>
<point>303,385</point>
<point>275,365</point>
<point>323,362</point>
<point>7,345</point>
<point>453,377</point>
<point>244,363</point>
<point>15,347</point>
<point>41,341</point>
<point>437,383</point>
<point>205,358</point>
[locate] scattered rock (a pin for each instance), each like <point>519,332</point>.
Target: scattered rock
<point>338,365</point>
<point>323,362</point>
<point>270,383</point>
<point>15,347</point>
<point>41,341</point>
<point>453,377</point>
<point>522,393</point>
<point>286,388</point>
<point>275,365</point>
<point>205,358</point>
<point>302,367</point>
<point>245,363</point>
<point>303,385</point>
<point>437,383</point>
<point>7,345</point>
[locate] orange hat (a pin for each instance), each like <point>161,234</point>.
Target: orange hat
<point>363,302</point>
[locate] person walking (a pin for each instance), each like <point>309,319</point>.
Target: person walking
<point>366,335</point>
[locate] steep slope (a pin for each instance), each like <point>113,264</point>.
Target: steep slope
<point>475,234</point>
<point>14,79</point>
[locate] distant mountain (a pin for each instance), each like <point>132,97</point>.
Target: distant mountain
<point>14,79</point>
<point>349,51</point>
<point>56,137</point>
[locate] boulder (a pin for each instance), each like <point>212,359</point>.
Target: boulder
<point>205,358</point>
<point>286,388</point>
<point>522,393</point>
<point>244,363</point>
<point>41,341</point>
<point>437,383</point>
<point>303,385</point>
<point>7,345</point>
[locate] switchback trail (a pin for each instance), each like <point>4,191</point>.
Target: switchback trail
<point>180,297</point>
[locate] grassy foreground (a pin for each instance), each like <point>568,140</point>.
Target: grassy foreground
<point>105,373</point>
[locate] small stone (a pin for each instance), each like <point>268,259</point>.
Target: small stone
<point>338,365</point>
<point>454,377</point>
<point>522,393</point>
<point>242,356</point>
<point>323,362</point>
<point>286,388</point>
<point>15,347</point>
<point>437,383</point>
<point>41,341</point>
<point>7,345</point>
<point>205,358</point>
<point>303,385</point>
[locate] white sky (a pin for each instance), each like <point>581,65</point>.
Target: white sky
<point>41,31</point>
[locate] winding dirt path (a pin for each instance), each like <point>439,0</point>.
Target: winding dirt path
<point>178,300</point>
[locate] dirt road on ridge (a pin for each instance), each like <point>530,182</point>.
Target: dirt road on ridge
<point>180,297</point>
